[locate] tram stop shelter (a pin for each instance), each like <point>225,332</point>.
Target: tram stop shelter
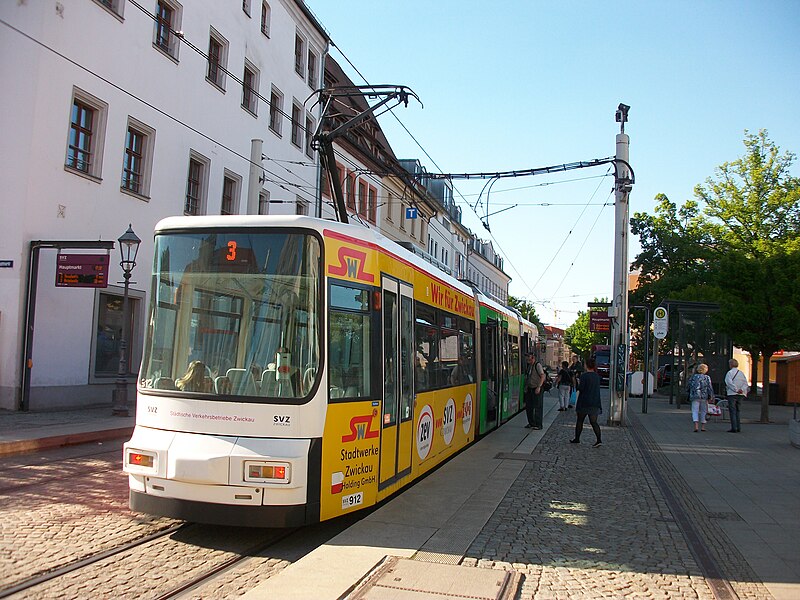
<point>692,339</point>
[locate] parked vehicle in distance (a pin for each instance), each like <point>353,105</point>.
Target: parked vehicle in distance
<point>664,375</point>
<point>602,358</point>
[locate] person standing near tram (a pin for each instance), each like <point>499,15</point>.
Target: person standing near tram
<point>534,395</point>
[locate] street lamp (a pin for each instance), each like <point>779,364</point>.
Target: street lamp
<point>128,249</point>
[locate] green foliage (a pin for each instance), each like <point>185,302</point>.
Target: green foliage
<point>578,336</point>
<point>526,309</point>
<point>737,244</point>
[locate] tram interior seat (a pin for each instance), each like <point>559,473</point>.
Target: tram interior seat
<point>222,385</point>
<point>269,384</point>
<point>164,383</point>
<point>242,382</point>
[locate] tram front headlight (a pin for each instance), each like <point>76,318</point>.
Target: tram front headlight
<point>267,472</point>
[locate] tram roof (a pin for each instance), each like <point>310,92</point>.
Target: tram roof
<point>508,310</point>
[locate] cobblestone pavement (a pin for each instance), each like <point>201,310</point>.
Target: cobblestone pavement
<point>588,522</point>
<point>62,510</point>
<point>65,505</point>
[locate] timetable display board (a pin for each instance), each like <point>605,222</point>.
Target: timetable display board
<point>82,270</point>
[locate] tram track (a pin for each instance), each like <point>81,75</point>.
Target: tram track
<point>192,554</point>
<point>40,579</point>
<point>184,590</point>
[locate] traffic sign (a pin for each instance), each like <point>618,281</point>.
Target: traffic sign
<point>660,322</point>
<point>411,212</point>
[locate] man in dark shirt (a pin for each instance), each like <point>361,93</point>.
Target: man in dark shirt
<point>534,395</point>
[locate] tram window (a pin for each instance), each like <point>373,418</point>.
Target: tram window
<point>448,356</point>
<point>406,359</point>
<point>514,362</point>
<point>488,366</point>
<point>426,359</point>
<point>390,337</point>
<point>349,297</point>
<point>447,320</point>
<point>232,301</point>
<point>466,358</point>
<point>350,342</point>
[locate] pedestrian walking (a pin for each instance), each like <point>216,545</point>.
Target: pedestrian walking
<point>534,395</point>
<point>588,403</point>
<point>564,384</point>
<point>736,389</point>
<point>700,392</point>
<point>576,368</point>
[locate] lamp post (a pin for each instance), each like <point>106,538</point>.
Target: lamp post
<point>128,249</point>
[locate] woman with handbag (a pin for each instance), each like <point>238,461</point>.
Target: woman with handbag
<point>700,392</point>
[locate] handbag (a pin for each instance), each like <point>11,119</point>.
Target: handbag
<point>714,410</point>
<point>573,397</point>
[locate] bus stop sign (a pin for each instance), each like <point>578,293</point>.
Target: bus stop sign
<point>660,322</point>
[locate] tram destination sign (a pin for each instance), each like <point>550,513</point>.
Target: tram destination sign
<point>82,270</point>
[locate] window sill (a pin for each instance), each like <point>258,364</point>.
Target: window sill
<point>111,11</point>
<point>276,132</point>
<point>137,195</point>
<point>219,86</point>
<point>166,53</point>
<point>247,110</point>
<point>83,174</point>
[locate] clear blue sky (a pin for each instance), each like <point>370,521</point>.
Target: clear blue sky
<point>516,85</point>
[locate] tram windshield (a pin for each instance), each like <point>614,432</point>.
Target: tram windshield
<point>234,314</point>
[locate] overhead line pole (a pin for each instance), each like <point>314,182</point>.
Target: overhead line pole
<point>619,310</point>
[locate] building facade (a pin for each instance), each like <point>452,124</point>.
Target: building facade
<point>557,350</point>
<point>485,269</point>
<point>190,108</point>
<point>206,107</point>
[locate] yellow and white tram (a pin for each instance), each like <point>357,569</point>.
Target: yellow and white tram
<point>297,369</point>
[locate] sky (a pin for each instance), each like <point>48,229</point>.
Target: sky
<point>514,85</point>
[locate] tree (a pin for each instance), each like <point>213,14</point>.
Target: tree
<point>741,250</point>
<point>526,309</point>
<point>578,336</point>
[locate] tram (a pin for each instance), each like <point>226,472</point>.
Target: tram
<point>297,369</point>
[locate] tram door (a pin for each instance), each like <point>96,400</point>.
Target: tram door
<point>505,389</point>
<point>491,371</point>
<point>397,431</point>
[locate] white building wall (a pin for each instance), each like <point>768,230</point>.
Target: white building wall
<point>114,60</point>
